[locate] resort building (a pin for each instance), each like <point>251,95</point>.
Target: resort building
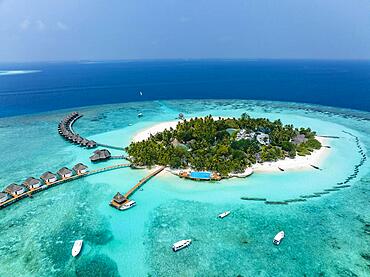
<point>65,172</point>
<point>263,138</point>
<point>100,155</point>
<point>84,142</point>
<point>243,134</point>
<point>14,189</point>
<point>91,144</point>
<point>32,183</point>
<point>48,177</point>
<point>80,168</point>
<point>200,175</point>
<point>3,197</point>
<point>298,139</point>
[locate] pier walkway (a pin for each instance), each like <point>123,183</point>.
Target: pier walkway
<point>30,193</point>
<point>123,199</point>
<point>143,181</point>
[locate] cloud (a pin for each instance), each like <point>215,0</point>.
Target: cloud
<point>25,24</point>
<point>62,26</point>
<point>40,25</point>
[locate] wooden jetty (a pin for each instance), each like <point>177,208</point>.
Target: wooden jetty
<point>126,196</point>
<point>29,193</point>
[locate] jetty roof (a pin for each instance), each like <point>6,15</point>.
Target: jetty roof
<point>119,198</point>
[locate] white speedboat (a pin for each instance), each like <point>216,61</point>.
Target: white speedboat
<point>181,244</point>
<point>224,214</point>
<point>77,246</point>
<point>278,238</point>
<point>128,205</point>
<point>139,114</point>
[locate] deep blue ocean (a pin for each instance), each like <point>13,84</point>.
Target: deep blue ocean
<point>65,85</point>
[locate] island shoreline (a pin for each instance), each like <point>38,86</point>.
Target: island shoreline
<point>299,163</point>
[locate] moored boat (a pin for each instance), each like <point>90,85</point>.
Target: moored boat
<point>278,238</point>
<point>181,244</point>
<point>224,214</point>
<point>77,246</point>
<point>127,205</point>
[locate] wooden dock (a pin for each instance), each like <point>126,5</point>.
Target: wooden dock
<point>135,188</point>
<point>143,181</point>
<point>29,193</point>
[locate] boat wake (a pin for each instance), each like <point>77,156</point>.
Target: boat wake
<point>17,72</point>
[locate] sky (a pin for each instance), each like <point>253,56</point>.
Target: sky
<point>46,30</point>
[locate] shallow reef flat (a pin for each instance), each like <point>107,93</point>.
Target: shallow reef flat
<point>326,220</point>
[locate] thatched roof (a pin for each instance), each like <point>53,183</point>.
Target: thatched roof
<point>119,198</point>
<point>31,181</point>
<point>47,175</point>
<point>13,188</point>
<point>79,167</point>
<point>64,171</point>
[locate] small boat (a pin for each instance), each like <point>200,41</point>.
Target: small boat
<point>130,124</point>
<point>139,114</point>
<point>141,94</point>
<point>224,214</point>
<point>77,246</point>
<point>181,244</point>
<point>129,204</point>
<point>278,238</point>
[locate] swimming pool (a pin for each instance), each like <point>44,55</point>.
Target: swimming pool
<point>200,175</point>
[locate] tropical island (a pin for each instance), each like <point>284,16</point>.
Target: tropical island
<point>223,145</point>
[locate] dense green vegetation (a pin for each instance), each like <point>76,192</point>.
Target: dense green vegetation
<point>225,145</point>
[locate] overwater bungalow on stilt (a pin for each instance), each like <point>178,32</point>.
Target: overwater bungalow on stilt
<point>3,197</point>
<point>100,155</point>
<point>31,183</point>
<point>48,177</point>
<point>91,144</point>
<point>64,173</point>
<point>80,168</point>
<point>14,189</point>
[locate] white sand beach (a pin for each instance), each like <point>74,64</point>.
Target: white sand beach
<point>298,163</point>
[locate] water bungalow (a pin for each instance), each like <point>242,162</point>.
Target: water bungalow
<point>80,169</point>
<point>118,200</point>
<point>64,173</point>
<point>14,189</point>
<point>48,177</point>
<point>31,183</point>
<point>100,155</point>
<point>65,130</point>
<point>3,197</point>
<point>91,144</point>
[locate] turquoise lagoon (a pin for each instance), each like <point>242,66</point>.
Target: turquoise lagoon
<point>325,236</point>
